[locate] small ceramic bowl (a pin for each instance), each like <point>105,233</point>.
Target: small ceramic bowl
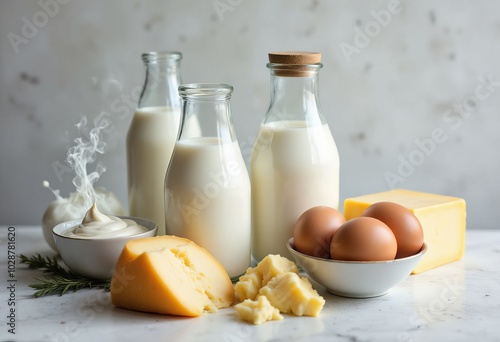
<point>356,279</point>
<point>95,258</point>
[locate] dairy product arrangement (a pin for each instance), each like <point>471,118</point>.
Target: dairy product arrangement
<point>215,219</point>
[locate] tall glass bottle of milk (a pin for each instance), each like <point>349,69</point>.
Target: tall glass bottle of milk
<point>295,161</point>
<point>207,187</point>
<point>152,135</point>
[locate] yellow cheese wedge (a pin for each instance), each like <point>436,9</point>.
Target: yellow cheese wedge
<point>257,311</point>
<point>290,293</point>
<point>443,221</point>
<point>251,282</point>
<point>170,275</point>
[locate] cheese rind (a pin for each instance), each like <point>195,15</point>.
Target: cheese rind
<point>443,220</point>
<point>272,265</point>
<point>257,311</point>
<point>290,293</point>
<point>170,275</point>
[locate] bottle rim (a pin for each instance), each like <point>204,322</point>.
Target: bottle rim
<point>156,56</point>
<point>209,91</point>
<point>294,70</point>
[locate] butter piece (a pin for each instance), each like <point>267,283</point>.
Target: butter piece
<point>251,282</point>
<point>443,221</point>
<point>290,293</point>
<point>170,275</point>
<point>276,279</point>
<point>257,311</point>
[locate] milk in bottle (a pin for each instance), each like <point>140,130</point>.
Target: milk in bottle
<point>207,187</point>
<point>152,135</point>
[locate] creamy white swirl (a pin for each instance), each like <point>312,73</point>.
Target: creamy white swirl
<point>96,225</point>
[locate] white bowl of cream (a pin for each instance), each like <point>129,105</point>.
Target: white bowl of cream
<point>72,208</point>
<point>90,247</point>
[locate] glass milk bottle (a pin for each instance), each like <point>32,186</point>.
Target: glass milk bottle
<point>207,188</point>
<point>294,162</point>
<point>152,135</point>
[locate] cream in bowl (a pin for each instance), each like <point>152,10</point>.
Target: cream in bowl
<point>91,246</point>
<point>356,279</point>
<point>96,225</point>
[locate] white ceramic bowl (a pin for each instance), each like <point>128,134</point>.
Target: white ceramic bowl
<point>95,258</point>
<point>356,279</point>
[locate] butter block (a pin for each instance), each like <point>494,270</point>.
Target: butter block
<point>443,220</point>
<point>251,282</point>
<point>170,275</point>
<point>290,293</point>
<point>257,311</point>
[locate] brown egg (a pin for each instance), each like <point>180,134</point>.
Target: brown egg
<point>363,239</point>
<point>403,223</point>
<point>314,229</point>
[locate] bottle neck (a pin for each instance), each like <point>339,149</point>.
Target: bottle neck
<point>161,82</point>
<point>295,95</point>
<point>206,112</point>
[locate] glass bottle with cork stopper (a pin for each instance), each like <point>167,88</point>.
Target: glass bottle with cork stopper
<point>295,162</point>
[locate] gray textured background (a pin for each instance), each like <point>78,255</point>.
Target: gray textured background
<point>417,74</point>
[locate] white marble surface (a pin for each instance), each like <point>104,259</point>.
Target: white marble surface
<point>86,59</point>
<point>456,302</point>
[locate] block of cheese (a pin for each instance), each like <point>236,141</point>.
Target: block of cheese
<point>170,275</point>
<point>443,221</point>
<point>272,265</point>
<point>290,293</point>
<point>257,311</point>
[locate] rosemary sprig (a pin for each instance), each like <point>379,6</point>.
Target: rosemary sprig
<point>62,280</point>
<point>46,264</point>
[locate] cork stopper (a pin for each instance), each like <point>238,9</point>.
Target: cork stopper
<point>295,57</point>
<point>294,63</point>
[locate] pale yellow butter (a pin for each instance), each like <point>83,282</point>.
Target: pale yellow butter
<point>292,294</point>
<point>274,286</point>
<point>257,311</point>
<point>255,278</point>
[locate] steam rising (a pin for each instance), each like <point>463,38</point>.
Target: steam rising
<point>84,152</point>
